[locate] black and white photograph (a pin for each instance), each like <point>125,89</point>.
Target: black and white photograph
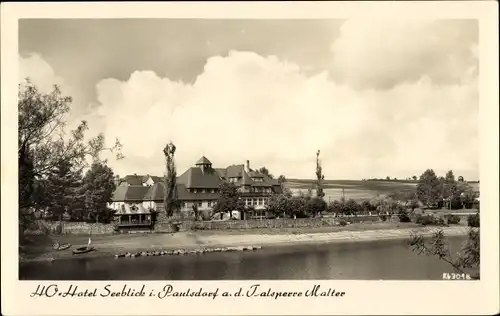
<point>225,149</point>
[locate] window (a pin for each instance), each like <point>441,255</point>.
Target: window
<point>209,203</point>
<point>199,204</point>
<point>184,204</point>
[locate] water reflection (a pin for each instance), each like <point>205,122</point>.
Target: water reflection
<point>387,259</point>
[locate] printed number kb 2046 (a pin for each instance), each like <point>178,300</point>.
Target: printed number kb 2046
<point>456,276</point>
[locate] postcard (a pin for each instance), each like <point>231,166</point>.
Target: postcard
<point>225,158</point>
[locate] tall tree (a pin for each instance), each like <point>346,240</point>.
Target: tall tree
<point>281,179</point>
<point>229,199</point>
<point>171,200</point>
<point>98,188</point>
<point>265,171</point>
<point>466,194</point>
<point>280,204</point>
<point>63,185</point>
<point>44,143</point>
<point>195,211</point>
<point>26,178</point>
<point>450,185</point>
<point>429,188</point>
<point>320,177</point>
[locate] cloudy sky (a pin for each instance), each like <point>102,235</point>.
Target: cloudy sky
<point>378,98</point>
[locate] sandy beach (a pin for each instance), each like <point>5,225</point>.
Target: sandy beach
<point>114,244</point>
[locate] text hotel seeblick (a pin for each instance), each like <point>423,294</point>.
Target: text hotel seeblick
<point>256,290</point>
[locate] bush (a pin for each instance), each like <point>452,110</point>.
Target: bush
<point>473,220</point>
<point>206,215</point>
<point>342,222</point>
<point>351,207</point>
<point>429,220</point>
<point>453,219</point>
<point>315,206</point>
<point>383,217</point>
<point>335,207</point>
<point>403,217</point>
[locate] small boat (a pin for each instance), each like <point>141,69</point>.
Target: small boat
<point>61,247</point>
<point>83,249</point>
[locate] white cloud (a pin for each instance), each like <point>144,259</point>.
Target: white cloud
<point>382,54</point>
<point>246,106</point>
<point>39,72</point>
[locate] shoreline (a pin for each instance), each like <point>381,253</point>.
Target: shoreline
<point>200,241</point>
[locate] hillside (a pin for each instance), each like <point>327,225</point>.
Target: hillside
<point>357,189</point>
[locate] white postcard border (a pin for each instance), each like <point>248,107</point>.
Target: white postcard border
<point>362,297</point>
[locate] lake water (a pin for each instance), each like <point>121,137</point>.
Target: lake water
<point>375,260</point>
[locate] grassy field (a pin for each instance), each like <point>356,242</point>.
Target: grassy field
<point>353,189</point>
<point>358,190</point>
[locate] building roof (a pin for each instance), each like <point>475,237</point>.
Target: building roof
<point>133,179</point>
<point>137,179</point>
<point>221,172</point>
<point>277,189</point>
<point>271,181</point>
<point>234,171</point>
<point>156,192</point>
<point>203,161</point>
<point>155,179</point>
<point>255,174</point>
<point>136,193</point>
<point>119,194</point>
<point>195,177</point>
<point>130,193</point>
<point>245,179</point>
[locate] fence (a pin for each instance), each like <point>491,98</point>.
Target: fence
<point>82,228</point>
<point>255,223</point>
<point>69,228</point>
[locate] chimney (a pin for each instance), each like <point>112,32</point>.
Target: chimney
<point>247,166</point>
